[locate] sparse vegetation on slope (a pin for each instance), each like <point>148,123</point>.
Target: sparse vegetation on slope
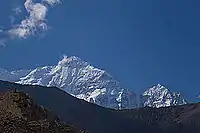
<point>19,114</point>
<point>96,119</point>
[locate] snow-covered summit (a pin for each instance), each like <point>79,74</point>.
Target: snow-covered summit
<point>83,81</point>
<point>159,96</point>
<point>72,61</point>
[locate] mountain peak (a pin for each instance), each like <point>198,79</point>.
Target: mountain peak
<point>160,96</point>
<point>156,89</point>
<point>84,81</point>
<point>160,86</point>
<point>72,61</point>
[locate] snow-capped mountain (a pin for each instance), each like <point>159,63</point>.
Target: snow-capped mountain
<point>160,96</point>
<point>83,81</point>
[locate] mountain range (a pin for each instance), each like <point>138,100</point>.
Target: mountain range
<point>84,81</point>
<point>96,119</point>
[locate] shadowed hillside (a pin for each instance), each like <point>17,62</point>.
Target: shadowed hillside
<point>93,118</point>
<point>19,114</point>
<point>96,119</point>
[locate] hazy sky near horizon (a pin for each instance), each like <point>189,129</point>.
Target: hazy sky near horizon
<point>140,42</point>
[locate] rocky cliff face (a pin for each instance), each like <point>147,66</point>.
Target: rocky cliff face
<point>159,96</point>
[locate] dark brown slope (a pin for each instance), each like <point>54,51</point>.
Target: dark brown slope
<point>180,119</point>
<point>92,118</point>
<point>18,114</point>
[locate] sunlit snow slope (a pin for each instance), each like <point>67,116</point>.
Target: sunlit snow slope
<point>82,80</point>
<point>159,96</point>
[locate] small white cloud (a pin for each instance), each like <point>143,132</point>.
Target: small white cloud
<point>38,12</point>
<point>35,22</point>
<point>52,2</point>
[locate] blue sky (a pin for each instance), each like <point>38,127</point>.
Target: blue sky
<point>139,42</point>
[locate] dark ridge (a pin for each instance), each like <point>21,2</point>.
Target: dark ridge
<point>96,119</point>
<point>19,114</point>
